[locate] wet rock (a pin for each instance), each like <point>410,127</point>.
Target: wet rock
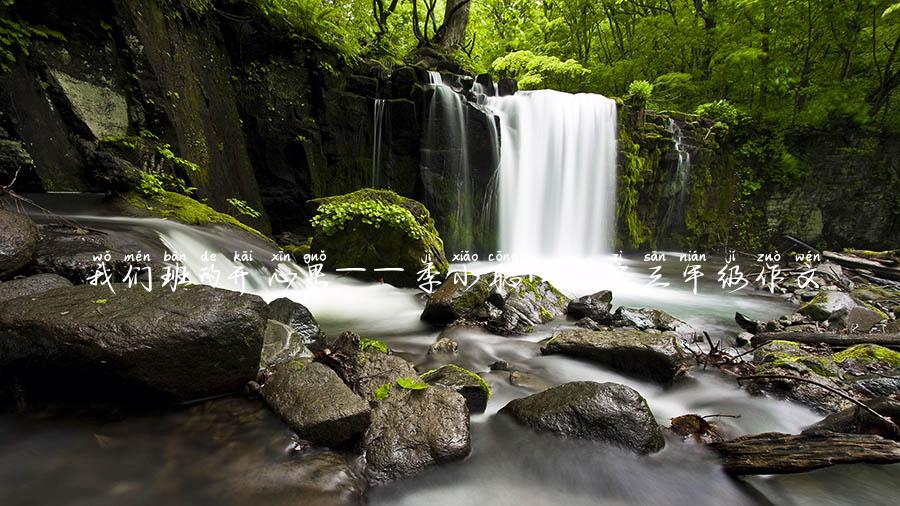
<point>281,344</point>
<point>867,357</point>
<point>297,317</point>
<point>70,252</point>
<point>527,381</point>
<point>195,342</point>
<point>646,354</point>
<point>507,308</point>
<point>322,478</point>
<point>597,307</point>
<point>854,420</point>
<point>644,319</point>
<point>463,381</point>
<point>443,346</point>
<point>825,305</point>
<point>507,86</point>
<point>835,273</point>
<point>376,229</point>
<point>587,323</point>
<point>314,401</point>
<point>375,369</point>
<point>599,411</point>
<point>750,325</point>
<point>743,338</point>
<point>500,365</point>
<point>18,241</point>
<point>858,319</point>
<point>32,285</point>
<point>112,173</point>
<point>787,358</point>
<point>487,84</point>
<point>411,431</point>
<point>877,385</point>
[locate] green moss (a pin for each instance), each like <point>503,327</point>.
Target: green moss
<point>174,206</point>
<point>372,344</point>
<point>779,353</point>
<point>545,314</point>
<point>869,353</point>
<point>382,392</point>
<point>475,376</point>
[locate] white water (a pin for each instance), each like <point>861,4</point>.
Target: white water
<point>377,121</point>
<point>435,77</point>
<point>677,186</point>
<point>557,173</point>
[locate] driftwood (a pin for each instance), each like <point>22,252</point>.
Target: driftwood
<point>832,339</point>
<point>855,262</point>
<point>775,453</point>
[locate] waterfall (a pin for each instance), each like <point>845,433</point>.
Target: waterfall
<point>378,120</point>
<point>435,78</point>
<point>676,188</point>
<point>459,155</point>
<point>557,192</point>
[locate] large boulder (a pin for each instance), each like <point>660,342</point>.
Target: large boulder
<point>588,410</point>
<point>654,355</point>
<point>32,285</point>
<point>508,305</point>
<point>828,304</point>
<point>195,342</point>
<point>412,430</point>
<point>18,241</point>
<point>314,401</point>
<point>375,368</point>
<point>297,317</point>
<point>467,383</point>
<point>596,306</point>
<point>378,229</point>
<point>72,253</point>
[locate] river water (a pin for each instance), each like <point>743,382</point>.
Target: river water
<point>203,454</point>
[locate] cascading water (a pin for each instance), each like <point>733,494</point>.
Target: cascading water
<point>377,128</point>
<point>435,77</point>
<point>677,186</point>
<point>459,155</point>
<point>557,173</point>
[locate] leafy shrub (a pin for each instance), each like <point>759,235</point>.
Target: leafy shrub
<point>324,21</point>
<point>372,344</point>
<point>721,110</point>
<point>640,90</point>
<point>242,208</point>
<point>333,217</point>
<point>533,70</point>
<point>16,36</point>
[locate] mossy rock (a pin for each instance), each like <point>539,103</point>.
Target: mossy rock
<point>469,384</point>
<point>780,353</point>
<point>177,207</point>
<point>866,354</point>
<point>787,358</point>
<point>378,229</point>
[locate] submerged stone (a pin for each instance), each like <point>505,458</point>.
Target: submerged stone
<point>607,412</point>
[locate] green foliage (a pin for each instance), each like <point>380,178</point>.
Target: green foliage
<point>16,36</point>
<point>411,384</point>
<point>640,90</point>
<point>334,217</point>
<point>242,208</point>
<point>178,207</point>
<point>533,70</point>
<point>372,344</point>
<point>721,110</point>
<point>337,23</point>
<point>382,392</point>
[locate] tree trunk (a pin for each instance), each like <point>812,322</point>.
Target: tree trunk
<point>456,19</point>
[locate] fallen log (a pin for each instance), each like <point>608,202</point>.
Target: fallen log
<point>832,339</point>
<point>776,453</point>
<point>855,262</point>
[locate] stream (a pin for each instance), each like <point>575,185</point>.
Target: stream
<point>204,453</point>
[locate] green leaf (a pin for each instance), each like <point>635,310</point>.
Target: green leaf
<point>382,392</point>
<point>411,384</point>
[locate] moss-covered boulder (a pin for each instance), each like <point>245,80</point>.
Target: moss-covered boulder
<point>459,379</point>
<point>788,358</point>
<point>869,354</point>
<point>177,207</point>
<point>378,229</point>
<point>507,305</point>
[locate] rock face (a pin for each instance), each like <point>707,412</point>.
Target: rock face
<point>103,111</point>
<point>646,354</point>
<point>597,307</point>
<point>315,403</point>
<point>195,342</point>
<point>599,411</point>
<point>18,241</point>
<point>378,229</point>
<point>509,308</point>
<point>281,344</point>
<point>70,252</point>
<point>297,317</point>
<point>463,381</point>
<point>413,430</point>
<point>31,285</point>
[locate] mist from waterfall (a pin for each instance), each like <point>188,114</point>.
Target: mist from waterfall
<point>557,188</point>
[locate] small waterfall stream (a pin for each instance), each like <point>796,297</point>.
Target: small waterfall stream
<point>377,128</point>
<point>557,173</point>
<point>677,187</point>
